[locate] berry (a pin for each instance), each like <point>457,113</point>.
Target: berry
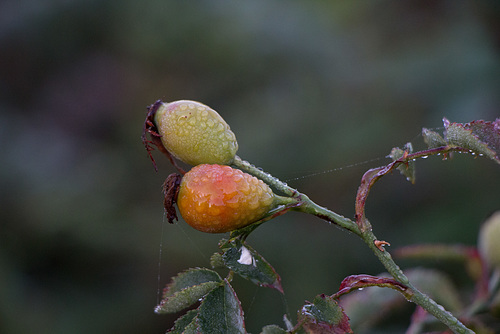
<point>489,236</point>
<point>218,199</point>
<point>194,133</point>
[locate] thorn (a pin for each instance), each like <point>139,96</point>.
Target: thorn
<point>380,244</point>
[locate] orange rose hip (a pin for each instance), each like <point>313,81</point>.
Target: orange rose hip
<point>218,199</point>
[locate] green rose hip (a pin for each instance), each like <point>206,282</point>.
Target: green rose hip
<point>191,132</point>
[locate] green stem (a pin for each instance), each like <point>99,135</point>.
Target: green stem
<point>418,297</point>
<point>268,178</point>
<point>308,206</point>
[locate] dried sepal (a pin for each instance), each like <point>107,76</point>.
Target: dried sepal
<point>150,128</point>
<point>170,192</point>
<point>407,169</point>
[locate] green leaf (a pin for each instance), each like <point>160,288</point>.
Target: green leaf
<point>187,288</point>
<point>406,169</point>
<point>273,329</point>
<point>440,252</point>
<point>433,139</point>
<point>438,286</point>
<point>185,324</point>
<point>192,328</point>
<point>246,262</point>
<point>216,261</point>
<point>324,315</point>
<point>221,312</point>
<point>479,137</point>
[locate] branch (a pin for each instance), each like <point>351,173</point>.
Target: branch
<point>362,228</point>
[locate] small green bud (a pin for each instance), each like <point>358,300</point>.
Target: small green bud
<point>489,240</point>
<point>195,133</point>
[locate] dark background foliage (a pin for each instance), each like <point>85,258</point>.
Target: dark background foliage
<point>307,86</point>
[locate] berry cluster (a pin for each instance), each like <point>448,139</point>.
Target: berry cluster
<point>212,197</point>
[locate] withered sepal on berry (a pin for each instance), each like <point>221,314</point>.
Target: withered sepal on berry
<point>150,128</point>
<point>170,191</point>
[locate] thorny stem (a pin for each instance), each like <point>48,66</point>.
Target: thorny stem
<point>366,234</point>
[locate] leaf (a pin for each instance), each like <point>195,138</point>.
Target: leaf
<point>480,137</point>
<point>438,286</point>
<point>185,323</point>
<point>216,261</point>
<point>221,312</point>
<point>356,282</point>
<point>407,169</point>
<point>246,262</point>
<point>187,288</point>
<point>324,315</point>
<point>369,307</point>
<point>273,329</point>
<point>433,139</point>
<point>440,252</point>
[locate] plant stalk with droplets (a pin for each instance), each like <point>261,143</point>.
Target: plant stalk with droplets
<point>178,130</point>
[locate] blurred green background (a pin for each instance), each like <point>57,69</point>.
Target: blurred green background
<point>307,86</point>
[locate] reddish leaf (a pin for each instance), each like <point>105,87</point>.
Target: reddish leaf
<point>480,137</point>
<point>369,308</point>
<point>356,282</point>
<point>324,316</point>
